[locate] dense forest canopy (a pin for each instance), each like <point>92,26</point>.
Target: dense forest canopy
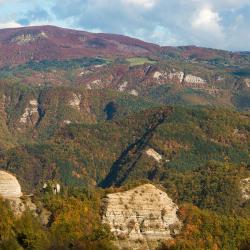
<point>103,124</point>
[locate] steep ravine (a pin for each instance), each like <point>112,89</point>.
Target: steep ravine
<point>131,155</point>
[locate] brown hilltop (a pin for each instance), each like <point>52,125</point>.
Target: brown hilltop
<point>20,45</point>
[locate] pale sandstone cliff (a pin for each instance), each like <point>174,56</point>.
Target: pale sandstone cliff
<point>9,186</point>
<point>30,114</point>
<point>10,190</point>
<point>141,217</point>
<point>152,153</point>
<point>245,189</point>
<point>194,79</point>
<point>75,101</point>
<point>247,82</point>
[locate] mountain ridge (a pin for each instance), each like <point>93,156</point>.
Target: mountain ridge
<point>36,43</point>
<point>20,45</point>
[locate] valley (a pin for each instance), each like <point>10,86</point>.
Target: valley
<point>117,123</point>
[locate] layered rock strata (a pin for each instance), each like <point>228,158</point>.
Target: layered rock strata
<point>10,190</point>
<point>152,153</point>
<point>9,186</point>
<point>245,188</point>
<point>141,217</point>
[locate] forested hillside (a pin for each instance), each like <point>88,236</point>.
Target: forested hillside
<point>115,114</point>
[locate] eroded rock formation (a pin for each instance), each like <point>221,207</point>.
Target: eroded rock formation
<point>151,152</point>
<point>141,217</point>
<point>75,101</point>
<point>23,39</point>
<point>247,82</point>
<point>245,189</point>
<point>194,79</point>
<point>10,190</point>
<point>30,114</point>
<point>9,186</point>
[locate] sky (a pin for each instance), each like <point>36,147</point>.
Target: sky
<point>222,24</point>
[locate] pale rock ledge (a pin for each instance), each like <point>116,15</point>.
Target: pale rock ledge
<point>194,79</point>
<point>123,86</point>
<point>134,92</point>
<point>75,101</point>
<point>152,153</point>
<point>30,111</point>
<point>141,217</point>
<point>10,190</point>
<point>247,82</point>
<point>9,186</point>
<point>176,75</point>
<point>245,189</point>
<point>157,75</point>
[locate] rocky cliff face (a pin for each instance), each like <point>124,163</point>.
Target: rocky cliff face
<point>245,189</point>
<point>10,190</point>
<point>30,114</point>
<point>9,186</point>
<point>141,217</point>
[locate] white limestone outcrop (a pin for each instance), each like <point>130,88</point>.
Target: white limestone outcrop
<point>97,83</point>
<point>176,75</point>
<point>123,86</point>
<point>245,189</point>
<point>30,112</point>
<point>157,75</point>
<point>9,186</point>
<point>67,122</point>
<point>194,79</point>
<point>247,82</point>
<point>75,101</point>
<point>134,92</point>
<point>152,153</point>
<point>10,190</point>
<point>27,38</point>
<point>141,217</point>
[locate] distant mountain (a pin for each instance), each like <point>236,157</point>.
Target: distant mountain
<point>97,114</point>
<point>208,55</point>
<point>21,45</point>
<point>58,85</point>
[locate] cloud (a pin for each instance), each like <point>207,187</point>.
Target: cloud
<point>206,19</point>
<point>206,26</point>
<point>167,22</point>
<point>221,24</point>
<point>220,4</point>
<point>35,15</point>
<point>11,24</point>
<point>147,4</point>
